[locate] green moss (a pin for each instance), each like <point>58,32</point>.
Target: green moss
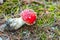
<point>43,36</point>
<point>51,8</point>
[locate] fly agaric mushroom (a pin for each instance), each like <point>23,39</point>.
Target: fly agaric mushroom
<point>28,16</point>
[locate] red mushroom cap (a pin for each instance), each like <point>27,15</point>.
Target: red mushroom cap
<point>29,16</point>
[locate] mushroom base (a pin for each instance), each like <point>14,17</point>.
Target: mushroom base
<point>13,24</point>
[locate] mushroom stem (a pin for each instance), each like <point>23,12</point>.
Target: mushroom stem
<point>19,22</point>
<point>12,24</point>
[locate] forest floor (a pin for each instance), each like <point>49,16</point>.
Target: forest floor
<point>47,26</point>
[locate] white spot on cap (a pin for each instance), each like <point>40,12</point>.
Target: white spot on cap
<point>29,17</point>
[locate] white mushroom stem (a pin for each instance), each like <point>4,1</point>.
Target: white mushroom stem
<point>15,23</point>
<point>19,22</point>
